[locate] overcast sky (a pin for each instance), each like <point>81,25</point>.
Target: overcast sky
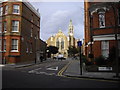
<point>56,15</point>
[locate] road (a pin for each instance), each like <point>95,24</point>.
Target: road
<point>46,75</point>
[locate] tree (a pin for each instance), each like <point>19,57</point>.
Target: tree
<point>72,51</point>
<point>52,49</point>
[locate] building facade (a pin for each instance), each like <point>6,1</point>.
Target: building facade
<point>19,31</point>
<point>62,41</point>
<point>102,28</point>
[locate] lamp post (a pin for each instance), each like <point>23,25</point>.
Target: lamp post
<point>116,38</point>
<point>80,44</point>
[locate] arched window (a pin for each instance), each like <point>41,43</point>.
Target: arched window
<point>102,20</point>
<point>62,44</point>
<point>57,43</point>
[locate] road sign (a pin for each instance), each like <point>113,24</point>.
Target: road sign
<point>79,43</point>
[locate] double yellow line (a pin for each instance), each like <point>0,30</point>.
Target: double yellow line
<point>63,69</point>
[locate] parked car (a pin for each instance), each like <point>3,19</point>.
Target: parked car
<point>61,57</point>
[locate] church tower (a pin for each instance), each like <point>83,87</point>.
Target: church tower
<point>71,34</point>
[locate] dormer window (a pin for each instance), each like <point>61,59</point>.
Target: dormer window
<point>102,20</point>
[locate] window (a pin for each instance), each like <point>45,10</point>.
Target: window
<point>0,27</point>
<point>119,16</point>
<point>14,45</point>
<point>5,26</point>
<point>119,47</point>
<point>32,18</point>
<point>1,11</point>
<point>62,44</point>
<point>26,47</point>
<point>30,47</point>
<point>51,38</point>
<point>15,26</point>
<point>6,9</point>
<point>57,43</point>
<point>16,9</point>
<point>105,48</point>
<point>0,44</point>
<point>31,32</point>
<point>38,23</point>
<point>4,45</point>
<point>101,20</point>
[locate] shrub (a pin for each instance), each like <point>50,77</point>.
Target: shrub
<point>100,60</point>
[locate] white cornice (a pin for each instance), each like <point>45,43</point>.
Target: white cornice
<point>105,37</point>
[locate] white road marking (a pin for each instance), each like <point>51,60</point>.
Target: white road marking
<point>33,71</point>
<point>52,68</point>
<point>2,65</point>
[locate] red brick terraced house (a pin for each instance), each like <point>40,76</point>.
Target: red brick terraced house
<point>19,31</point>
<point>102,28</point>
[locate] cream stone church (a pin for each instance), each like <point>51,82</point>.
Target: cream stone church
<point>62,41</point>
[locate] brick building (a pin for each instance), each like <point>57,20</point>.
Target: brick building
<point>19,31</point>
<point>102,28</point>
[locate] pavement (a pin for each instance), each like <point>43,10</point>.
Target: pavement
<point>23,64</point>
<point>72,70</point>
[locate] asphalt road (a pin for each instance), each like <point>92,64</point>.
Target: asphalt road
<point>45,75</point>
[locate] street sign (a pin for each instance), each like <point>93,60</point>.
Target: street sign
<point>79,43</point>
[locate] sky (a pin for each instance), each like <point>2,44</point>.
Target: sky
<point>57,15</point>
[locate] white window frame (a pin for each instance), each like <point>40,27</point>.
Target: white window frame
<point>105,48</point>
<point>15,26</point>
<point>14,45</point>
<point>102,14</point>
<point>1,11</point>
<point>18,8</point>
<point>6,9</point>
<point>5,26</point>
